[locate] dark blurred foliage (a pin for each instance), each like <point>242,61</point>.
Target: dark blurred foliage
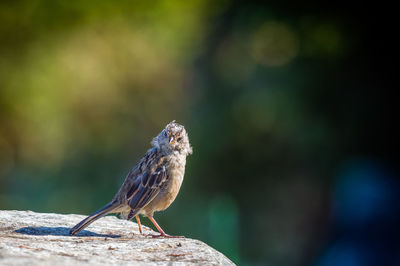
<point>289,106</point>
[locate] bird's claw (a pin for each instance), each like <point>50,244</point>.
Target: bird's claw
<point>165,236</point>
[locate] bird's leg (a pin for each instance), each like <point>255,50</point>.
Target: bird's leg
<point>139,224</point>
<point>162,233</point>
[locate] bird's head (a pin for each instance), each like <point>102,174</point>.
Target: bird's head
<point>173,138</point>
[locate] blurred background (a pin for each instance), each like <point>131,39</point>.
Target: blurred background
<point>289,107</point>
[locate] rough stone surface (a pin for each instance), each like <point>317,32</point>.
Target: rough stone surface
<point>29,238</point>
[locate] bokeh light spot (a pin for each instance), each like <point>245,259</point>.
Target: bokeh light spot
<point>323,40</point>
<point>274,44</point>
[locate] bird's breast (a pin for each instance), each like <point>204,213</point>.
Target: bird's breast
<point>176,172</point>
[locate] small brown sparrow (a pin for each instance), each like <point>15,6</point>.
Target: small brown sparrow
<point>153,183</point>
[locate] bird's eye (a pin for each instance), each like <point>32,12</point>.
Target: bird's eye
<point>165,133</point>
<point>179,139</point>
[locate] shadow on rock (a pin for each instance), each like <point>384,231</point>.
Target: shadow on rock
<point>57,231</point>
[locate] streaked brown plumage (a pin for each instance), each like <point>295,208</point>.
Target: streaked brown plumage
<point>153,183</point>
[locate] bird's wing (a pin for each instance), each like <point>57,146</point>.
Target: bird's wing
<point>146,188</point>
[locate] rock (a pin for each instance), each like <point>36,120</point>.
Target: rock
<point>29,238</point>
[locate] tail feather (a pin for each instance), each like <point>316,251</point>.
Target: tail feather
<point>93,217</point>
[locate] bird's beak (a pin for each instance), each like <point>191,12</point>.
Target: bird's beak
<point>171,140</point>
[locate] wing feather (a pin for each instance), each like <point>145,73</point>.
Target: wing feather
<point>147,189</point>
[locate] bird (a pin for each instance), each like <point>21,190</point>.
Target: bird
<point>153,183</point>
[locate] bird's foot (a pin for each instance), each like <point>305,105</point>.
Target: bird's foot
<point>165,236</point>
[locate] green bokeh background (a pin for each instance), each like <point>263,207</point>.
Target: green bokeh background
<point>275,97</point>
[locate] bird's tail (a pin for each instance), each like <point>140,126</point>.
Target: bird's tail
<point>93,217</point>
